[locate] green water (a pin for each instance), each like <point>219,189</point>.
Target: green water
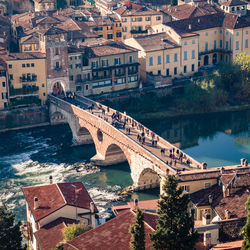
<point>28,157</point>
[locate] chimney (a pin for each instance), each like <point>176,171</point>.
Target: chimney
<point>189,26</point>
<point>227,214</point>
<point>50,179</point>
<point>136,203</point>
<point>204,165</point>
<point>222,170</point>
<point>92,207</point>
<point>36,205</point>
<point>206,219</point>
<point>210,199</point>
<point>242,162</point>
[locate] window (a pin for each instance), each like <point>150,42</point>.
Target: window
<point>56,51</point>
<point>57,65</point>
<point>246,32</point>
<point>70,66</point>
<point>23,65</point>
<point>206,34</point>
<point>215,44</point>
<point>151,61</point>
<point>94,64</point>
<point>118,34</point>
<point>43,85</point>
<point>71,58</point>
<point>185,55</point>
<point>226,44</point>
<point>237,45</point>
<point>167,58</point>
<point>10,66</point>
<point>226,59</point>
<point>215,32</point>
<point>246,43</point>
<point>193,54</point>
<point>27,65</point>
<point>206,46</point>
<point>227,33</point>
<point>185,43</point>
<point>175,57</point>
<point>220,43</point>
<point>110,36</point>
<point>192,67</point>
<point>185,188</point>
<point>237,33</point>
<point>117,61</point>
<point>43,94</point>
<point>87,87</point>
<point>207,184</point>
<point>185,69</point>
<point>3,84</point>
<point>71,78</point>
<point>167,72</point>
<point>175,70</point>
<point>193,41</point>
<point>11,77</point>
<point>159,60</point>
<point>130,59</point>
<point>158,18</point>
<point>148,18</point>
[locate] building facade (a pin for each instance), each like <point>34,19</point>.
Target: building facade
<point>3,85</point>
<point>27,78</point>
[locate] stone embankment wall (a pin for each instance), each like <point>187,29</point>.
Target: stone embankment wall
<point>23,118</point>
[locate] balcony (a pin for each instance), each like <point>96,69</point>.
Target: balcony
<point>26,90</point>
<point>214,51</point>
<point>78,81</point>
<point>101,77</point>
<point>58,68</point>
<point>28,79</point>
<point>132,72</point>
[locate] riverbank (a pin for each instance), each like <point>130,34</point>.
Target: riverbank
<point>175,113</point>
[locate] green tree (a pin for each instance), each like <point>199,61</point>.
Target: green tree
<point>61,4</point>
<point>72,231</point>
<point>175,226</point>
<point>174,2</point>
<point>246,229</point>
<point>243,59</point>
<point>137,232</point>
<point>10,235</point>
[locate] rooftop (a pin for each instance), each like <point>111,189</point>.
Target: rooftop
<point>60,195</point>
<point>234,245</point>
<point>109,48</point>
<point>25,56</point>
<point>233,3</point>
<point>113,234</point>
<point>156,42</point>
<point>51,234</point>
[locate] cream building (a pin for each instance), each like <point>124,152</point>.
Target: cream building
<point>45,5</point>
<point>221,36</point>
<point>27,76</point>
<point>165,55</point>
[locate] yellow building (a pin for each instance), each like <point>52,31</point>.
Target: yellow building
<point>29,43</point>
<point>27,76</point>
<point>137,19</point>
<point>163,57</point>
<point>221,36</point>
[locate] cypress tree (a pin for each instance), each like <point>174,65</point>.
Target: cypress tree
<point>10,235</point>
<point>175,226</point>
<point>137,232</point>
<point>246,229</point>
<point>174,2</point>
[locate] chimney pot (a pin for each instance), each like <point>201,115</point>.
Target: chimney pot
<point>210,199</point>
<point>51,180</point>
<point>92,207</point>
<point>227,214</point>
<point>242,162</point>
<point>36,205</point>
<point>136,203</point>
<point>204,165</point>
<point>222,170</point>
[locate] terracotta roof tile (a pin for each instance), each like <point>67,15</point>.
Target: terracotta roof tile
<point>233,3</point>
<point>51,234</point>
<point>113,234</point>
<point>234,245</point>
<point>55,196</point>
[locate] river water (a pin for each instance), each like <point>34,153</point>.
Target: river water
<point>29,157</point>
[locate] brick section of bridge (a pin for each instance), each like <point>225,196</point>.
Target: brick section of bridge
<point>147,163</point>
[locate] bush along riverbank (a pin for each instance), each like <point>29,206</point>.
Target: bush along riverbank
<point>228,89</point>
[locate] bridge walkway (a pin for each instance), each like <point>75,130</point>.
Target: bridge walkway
<point>178,164</point>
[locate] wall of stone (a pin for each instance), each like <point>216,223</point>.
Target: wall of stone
<point>23,117</point>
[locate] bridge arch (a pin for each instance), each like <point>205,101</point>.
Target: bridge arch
<point>148,179</point>
<point>114,155</point>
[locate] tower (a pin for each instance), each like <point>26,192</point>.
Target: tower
<point>53,42</point>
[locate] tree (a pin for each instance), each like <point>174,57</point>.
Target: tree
<point>74,230</point>
<point>174,2</point>
<point>175,226</point>
<point>61,4</point>
<point>243,59</point>
<point>10,235</point>
<point>246,229</point>
<point>137,232</point>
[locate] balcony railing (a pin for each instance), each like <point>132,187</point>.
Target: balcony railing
<point>28,79</point>
<point>26,90</point>
<point>57,68</point>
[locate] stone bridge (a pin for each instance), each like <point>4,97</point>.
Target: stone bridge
<point>115,144</point>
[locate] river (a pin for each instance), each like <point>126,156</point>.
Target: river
<point>29,157</point>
